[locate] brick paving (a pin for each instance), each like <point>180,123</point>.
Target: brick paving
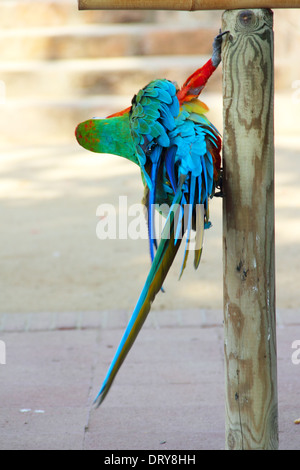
<point>169,394</point>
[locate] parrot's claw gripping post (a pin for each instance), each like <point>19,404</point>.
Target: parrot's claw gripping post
<point>216,57</point>
<point>219,185</point>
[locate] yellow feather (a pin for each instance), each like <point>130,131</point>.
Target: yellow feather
<point>196,106</point>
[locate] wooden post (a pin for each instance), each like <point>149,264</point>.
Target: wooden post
<point>188,5</point>
<point>248,212</point>
<point>248,231</point>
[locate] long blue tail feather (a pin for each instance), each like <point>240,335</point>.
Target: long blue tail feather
<point>151,211</point>
<point>170,166</point>
<point>175,149</point>
<point>155,158</point>
<point>162,262</point>
<point>189,222</point>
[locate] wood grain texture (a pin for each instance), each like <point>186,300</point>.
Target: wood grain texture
<point>248,231</point>
<point>188,5</point>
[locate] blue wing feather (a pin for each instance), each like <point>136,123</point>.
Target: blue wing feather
<point>173,147</point>
<point>155,157</point>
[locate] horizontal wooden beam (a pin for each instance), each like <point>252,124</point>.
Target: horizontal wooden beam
<point>187,5</point>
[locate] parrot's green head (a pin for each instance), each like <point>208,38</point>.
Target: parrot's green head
<point>111,135</point>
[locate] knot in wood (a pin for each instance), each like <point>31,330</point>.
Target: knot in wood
<point>247,20</point>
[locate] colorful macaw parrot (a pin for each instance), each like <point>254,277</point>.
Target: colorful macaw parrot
<point>166,133</point>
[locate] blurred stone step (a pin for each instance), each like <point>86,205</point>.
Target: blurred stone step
<point>113,76</point>
<point>104,40</point>
<point>37,13</point>
<point>43,122</point>
<point>32,13</point>
<point>36,121</point>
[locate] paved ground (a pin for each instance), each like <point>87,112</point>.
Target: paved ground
<point>170,392</point>
<point>168,395</point>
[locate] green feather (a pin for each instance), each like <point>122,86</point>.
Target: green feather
<point>108,136</point>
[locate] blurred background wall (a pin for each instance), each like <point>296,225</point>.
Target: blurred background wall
<point>58,63</point>
<point>59,67</point>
